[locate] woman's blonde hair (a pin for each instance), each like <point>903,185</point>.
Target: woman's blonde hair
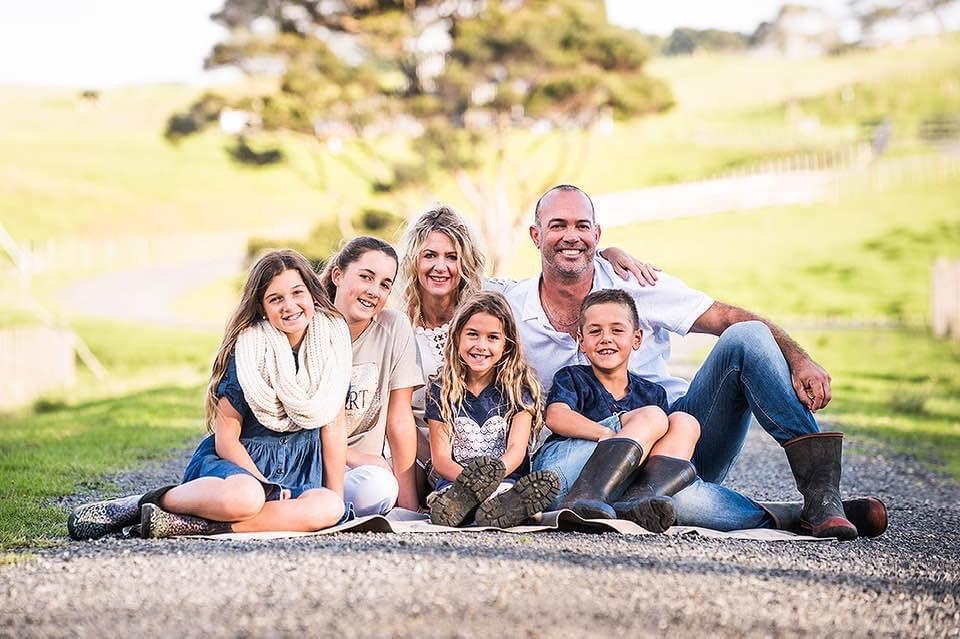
<point>470,260</point>
<point>250,310</point>
<point>513,375</point>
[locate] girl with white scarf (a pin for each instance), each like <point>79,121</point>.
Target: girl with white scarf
<point>275,458</point>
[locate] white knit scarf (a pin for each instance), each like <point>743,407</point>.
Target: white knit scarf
<point>282,397</point>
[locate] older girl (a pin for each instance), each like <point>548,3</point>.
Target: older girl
<point>380,426</point>
<point>274,460</point>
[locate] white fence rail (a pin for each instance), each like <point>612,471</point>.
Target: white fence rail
<point>34,361</point>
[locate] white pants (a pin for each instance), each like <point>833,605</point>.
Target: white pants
<point>371,490</point>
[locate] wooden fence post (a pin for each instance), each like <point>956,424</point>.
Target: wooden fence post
<point>945,298</point>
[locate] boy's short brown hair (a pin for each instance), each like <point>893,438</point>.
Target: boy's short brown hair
<point>610,296</point>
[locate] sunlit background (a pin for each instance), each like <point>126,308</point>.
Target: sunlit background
<point>801,161</point>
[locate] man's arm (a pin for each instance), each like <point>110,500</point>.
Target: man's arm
<point>810,381</point>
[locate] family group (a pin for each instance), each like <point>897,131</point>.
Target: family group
<point>485,402</point>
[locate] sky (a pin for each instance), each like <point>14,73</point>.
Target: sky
<point>104,43</point>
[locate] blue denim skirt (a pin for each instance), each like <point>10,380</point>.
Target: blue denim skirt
<point>288,460</point>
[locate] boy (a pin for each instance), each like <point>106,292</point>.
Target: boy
<point>627,417</point>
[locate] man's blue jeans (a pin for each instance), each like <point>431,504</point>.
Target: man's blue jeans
<point>744,373</point>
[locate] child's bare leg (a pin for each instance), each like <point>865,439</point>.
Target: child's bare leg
<point>683,431</point>
<point>645,426</point>
<point>235,498</point>
<point>315,509</point>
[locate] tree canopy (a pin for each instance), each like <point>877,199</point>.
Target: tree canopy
<point>454,78</point>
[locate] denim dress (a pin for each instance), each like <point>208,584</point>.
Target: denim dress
<point>291,460</point>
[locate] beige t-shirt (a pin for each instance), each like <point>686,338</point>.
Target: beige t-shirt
<point>384,359</point>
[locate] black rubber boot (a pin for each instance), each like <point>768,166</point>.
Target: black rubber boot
<point>868,514</point>
<point>156,523</point>
<point>529,496</point>
<point>815,462</point>
<point>603,478</point>
<point>647,500</point>
<point>100,518</point>
<point>478,480</point>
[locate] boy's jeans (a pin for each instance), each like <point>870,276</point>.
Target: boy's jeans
<point>744,373</point>
<point>700,504</point>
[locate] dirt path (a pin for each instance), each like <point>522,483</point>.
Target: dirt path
<point>148,294</point>
<point>905,583</point>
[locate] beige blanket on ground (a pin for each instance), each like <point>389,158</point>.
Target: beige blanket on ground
<point>405,521</point>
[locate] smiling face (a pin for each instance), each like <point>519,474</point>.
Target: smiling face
<point>288,305</point>
<point>480,345</point>
<point>364,286</point>
<point>438,266</point>
<point>608,336</point>
<point>566,233</point>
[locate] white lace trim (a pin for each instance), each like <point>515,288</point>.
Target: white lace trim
<point>436,339</point>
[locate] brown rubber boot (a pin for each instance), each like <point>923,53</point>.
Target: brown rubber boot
<point>868,514</point>
<point>647,500</point>
<point>603,478</point>
<point>815,462</point>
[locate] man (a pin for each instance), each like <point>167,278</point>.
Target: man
<point>755,367</point>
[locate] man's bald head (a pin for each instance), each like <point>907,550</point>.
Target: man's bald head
<point>565,192</point>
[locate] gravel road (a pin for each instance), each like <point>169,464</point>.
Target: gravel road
<point>906,583</point>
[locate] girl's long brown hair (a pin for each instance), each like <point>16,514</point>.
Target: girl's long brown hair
<point>347,255</point>
<point>470,260</point>
<point>513,374</point>
<point>250,311</point>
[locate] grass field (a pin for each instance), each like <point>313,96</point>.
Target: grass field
<point>88,168</point>
<point>151,403</point>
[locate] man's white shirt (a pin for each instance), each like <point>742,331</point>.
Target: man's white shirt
<point>669,307</point>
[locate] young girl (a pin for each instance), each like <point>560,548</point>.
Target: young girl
<point>275,458</point>
<point>385,373</point>
<point>482,413</point>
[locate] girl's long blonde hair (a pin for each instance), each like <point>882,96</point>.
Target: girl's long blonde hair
<point>513,374</point>
<point>470,260</point>
<point>250,311</point>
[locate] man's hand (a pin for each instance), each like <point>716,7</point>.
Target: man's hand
<point>811,383</point>
<point>625,264</point>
